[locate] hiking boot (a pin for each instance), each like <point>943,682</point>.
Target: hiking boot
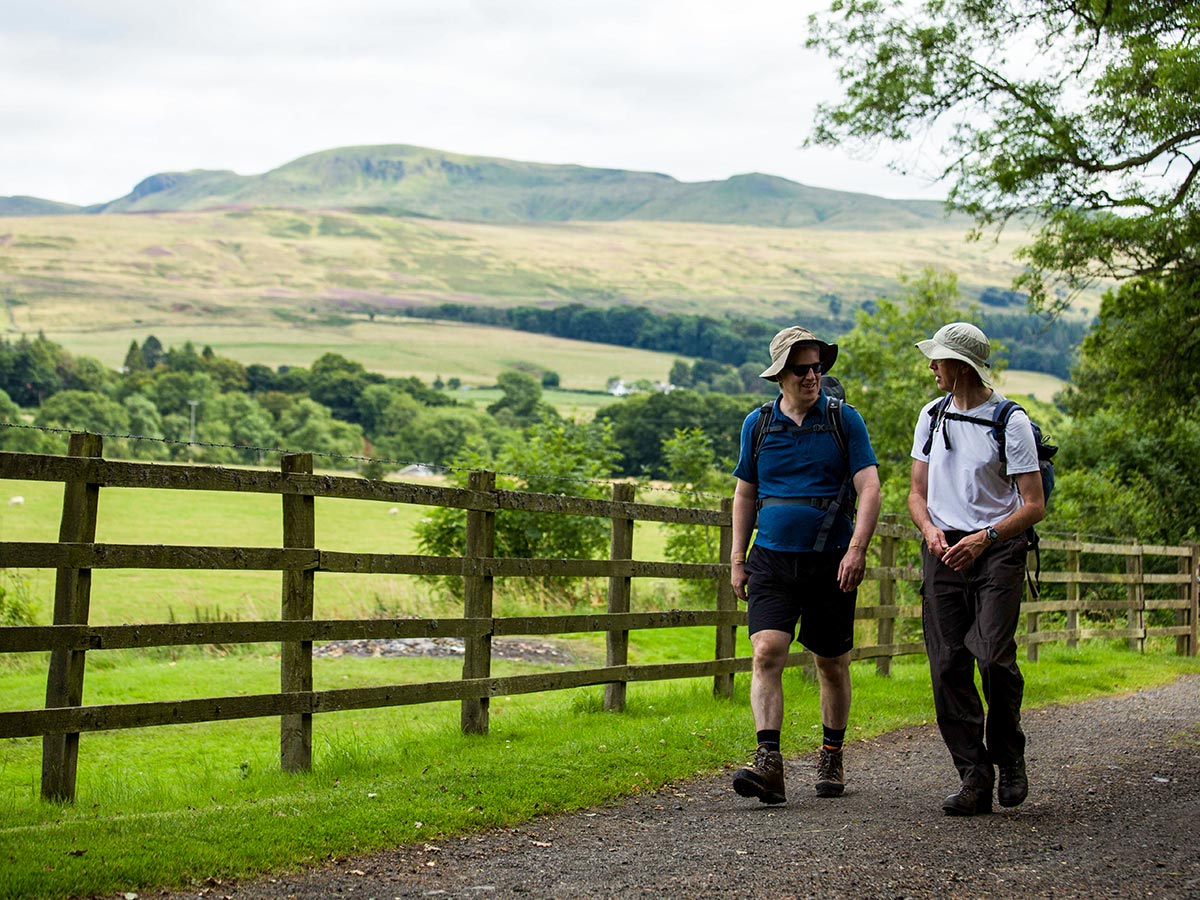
<point>830,780</point>
<point>969,801</point>
<point>1014,784</point>
<point>762,778</point>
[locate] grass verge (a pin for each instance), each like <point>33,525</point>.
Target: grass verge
<point>175,806</point>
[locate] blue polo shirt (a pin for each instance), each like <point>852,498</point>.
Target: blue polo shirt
<point>808,464</point>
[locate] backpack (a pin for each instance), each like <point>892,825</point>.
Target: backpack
<point>833,424</point>
<point>998,423</point>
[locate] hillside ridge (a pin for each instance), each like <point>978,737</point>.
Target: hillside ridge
<point>412,180</point>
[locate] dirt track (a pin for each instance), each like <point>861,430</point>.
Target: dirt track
<point>1114,811</point>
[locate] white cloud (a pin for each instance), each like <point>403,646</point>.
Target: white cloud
<point>101,94</point>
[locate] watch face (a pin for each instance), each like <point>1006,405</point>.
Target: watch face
<point>992,534</point>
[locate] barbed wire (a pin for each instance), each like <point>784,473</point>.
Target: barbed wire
<point>435,468</point>
<point>439,468</point>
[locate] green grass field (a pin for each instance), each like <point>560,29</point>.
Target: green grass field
<point>475,354</point>
<point>1036,384</point>
<point>128,515</point>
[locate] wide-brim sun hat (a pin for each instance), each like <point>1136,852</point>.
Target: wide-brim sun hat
<point>784,341</point>
<point>961,341</point>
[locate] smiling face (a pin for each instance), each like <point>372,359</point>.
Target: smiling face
<point>805,388</point>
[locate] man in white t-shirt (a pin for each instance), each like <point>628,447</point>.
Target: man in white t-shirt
<point>973,511</point>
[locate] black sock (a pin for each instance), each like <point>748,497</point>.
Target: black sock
<point>834,737</point>
<point>769,739</point>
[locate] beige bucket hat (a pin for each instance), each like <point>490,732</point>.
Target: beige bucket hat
<point>961,341</point>
<point>784,341</point>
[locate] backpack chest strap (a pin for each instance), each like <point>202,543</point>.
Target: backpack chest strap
<point>780,427</point>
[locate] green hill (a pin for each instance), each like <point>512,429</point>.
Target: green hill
<point>35,206</point>
<point>406,180</point>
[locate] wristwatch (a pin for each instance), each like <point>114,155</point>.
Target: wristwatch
<point>992,534</point>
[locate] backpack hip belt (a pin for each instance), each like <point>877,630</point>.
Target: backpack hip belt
<point>816,502</point>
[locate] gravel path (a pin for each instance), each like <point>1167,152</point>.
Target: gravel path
<point>1113,811</point>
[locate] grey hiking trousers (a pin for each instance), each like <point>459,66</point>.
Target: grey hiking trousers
<point>970,618</point>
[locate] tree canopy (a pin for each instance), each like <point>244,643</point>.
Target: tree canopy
<point>1079,112</point>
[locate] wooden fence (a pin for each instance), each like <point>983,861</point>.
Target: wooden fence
<point>1086,608</point>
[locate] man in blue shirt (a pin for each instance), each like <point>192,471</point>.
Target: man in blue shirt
<point>807,560</point>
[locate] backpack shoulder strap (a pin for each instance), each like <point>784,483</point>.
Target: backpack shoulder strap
<point>763,424</point>
<point>935,413</point>
<point>833,412</point>
<point>845,494</point>
<point>1004,412</point>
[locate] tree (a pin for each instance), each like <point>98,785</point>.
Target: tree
<point>145,421</point>
<point>85,373</point>
<point>1143,353</point>
<point>522,401</point>
<point>84,411</point>
<point>1091,126</point>
<point>260,378</point>
<point>134,361</point>
<point>31,370</point>
<point>9,411</point>
<point>172,392</point>
<point>152,352</point>
<point>554,457</point>
<point>235,418</point>
<point>311,428</point>
<point>642,422</point>
<point>1136,401</point>
<point>691,465</point>
<point>183,359</point>
<point>437,436</point>
<point>680,374</point>
<point>887,379</point>
<point>337,383</point>
<point>229,374</point>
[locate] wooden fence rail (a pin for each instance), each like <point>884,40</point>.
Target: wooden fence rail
<point>1077,604</point>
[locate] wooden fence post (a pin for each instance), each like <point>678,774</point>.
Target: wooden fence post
<point>726,601</point>
<point>72,602</point>
<point>619,592</point>
<point>1185,644</point>
<point>886,629</point>
<point>1073,592</point>
<point>1137,599</point>
<point>295,667</point>
<point>477,603</point>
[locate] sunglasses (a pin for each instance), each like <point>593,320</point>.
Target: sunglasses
<point>802,370</point>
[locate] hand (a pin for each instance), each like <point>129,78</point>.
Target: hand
<point>739,579</point>
<point>962,555</point>
<point>935,540</point>
<point>852,568</point>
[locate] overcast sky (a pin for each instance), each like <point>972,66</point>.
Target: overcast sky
<point>98,94</point>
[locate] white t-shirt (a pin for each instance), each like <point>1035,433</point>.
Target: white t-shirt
<point>967,490</point>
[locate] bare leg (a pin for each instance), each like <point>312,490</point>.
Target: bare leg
<point>833,676</point>
<point>766,679</point>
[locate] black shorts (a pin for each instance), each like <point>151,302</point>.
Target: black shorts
<point>788,587</point>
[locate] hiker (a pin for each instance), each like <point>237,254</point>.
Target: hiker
<point>803,459</point>
<point>973,511</point>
